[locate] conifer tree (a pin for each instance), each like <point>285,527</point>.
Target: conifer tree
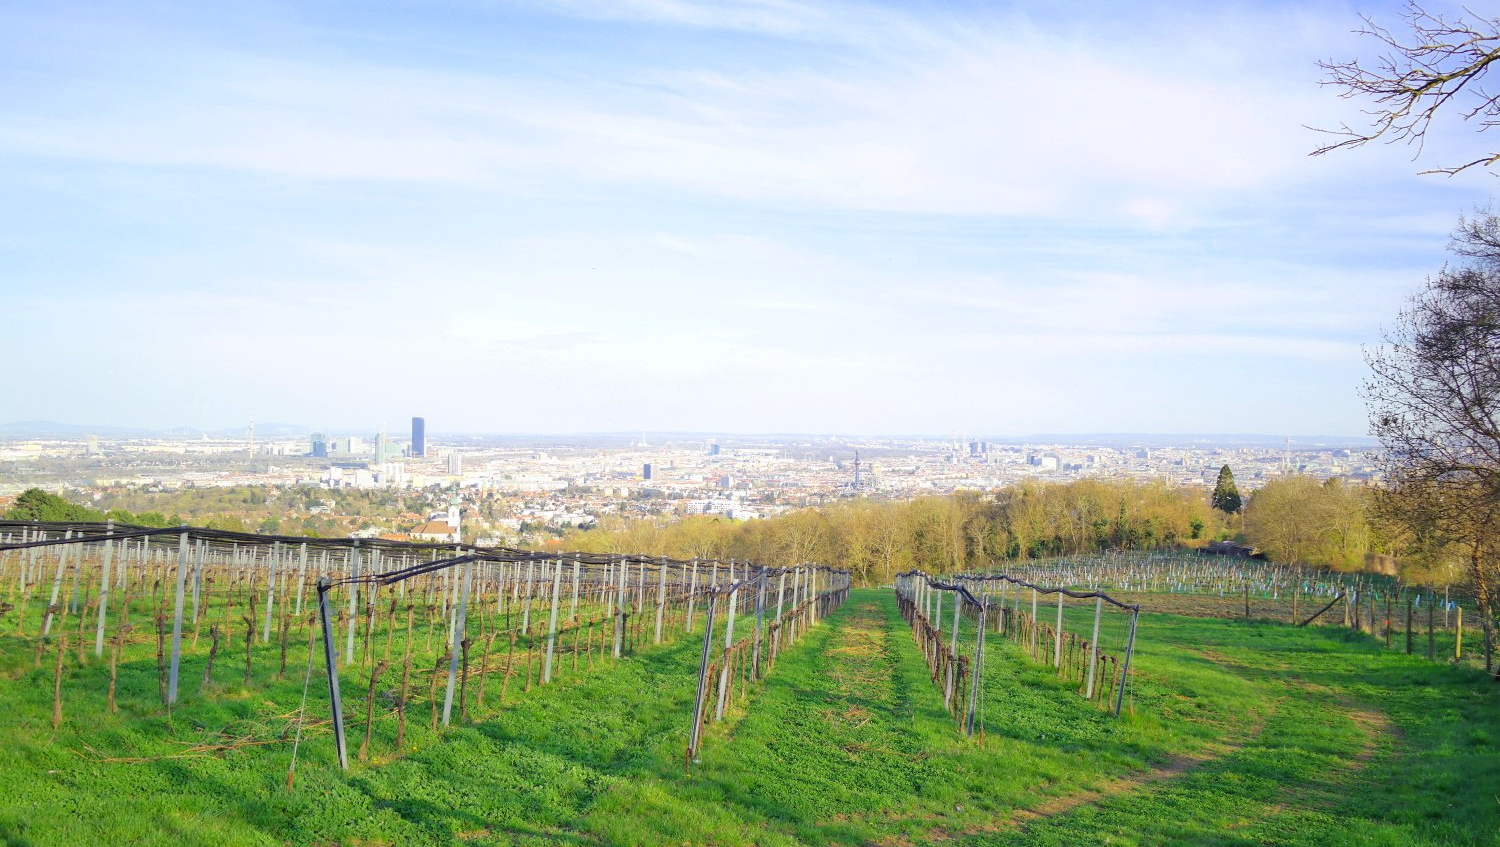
<point>1226,495</point>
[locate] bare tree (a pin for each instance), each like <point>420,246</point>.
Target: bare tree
<point>1435,66</point>
<point>1434,402</point>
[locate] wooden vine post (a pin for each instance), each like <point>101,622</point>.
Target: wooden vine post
<point>1431,609</point>
<point>57,675</point>
<point>1408,626</point>
<point>1088,693</point>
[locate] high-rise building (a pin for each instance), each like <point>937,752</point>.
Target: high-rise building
<point>347,446</point>
<point>455,464</point>
<point>418,437</point>
<point>319,446</point>
<point>646,471</point>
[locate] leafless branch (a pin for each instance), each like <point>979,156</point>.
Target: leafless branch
<point>1436,67</point>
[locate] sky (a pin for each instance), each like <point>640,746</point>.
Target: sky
<point>673,215</point>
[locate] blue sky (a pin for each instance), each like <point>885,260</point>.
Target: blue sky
<point>763,215</point>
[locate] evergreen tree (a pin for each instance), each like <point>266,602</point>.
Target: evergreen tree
<point>1226,495</point>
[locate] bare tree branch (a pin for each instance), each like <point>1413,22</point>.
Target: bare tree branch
<point>1438,66</point>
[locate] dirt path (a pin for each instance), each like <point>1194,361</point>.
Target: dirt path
<point>1372,723</point>
<point>1175,766</point>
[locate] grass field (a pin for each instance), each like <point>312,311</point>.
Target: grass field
<point>1234,733</point>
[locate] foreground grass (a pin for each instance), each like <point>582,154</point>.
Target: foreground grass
<point>1237,733</point>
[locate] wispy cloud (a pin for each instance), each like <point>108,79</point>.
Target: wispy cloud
<point>862,24</point>
<point>984,118</point>
<point>746,214</point>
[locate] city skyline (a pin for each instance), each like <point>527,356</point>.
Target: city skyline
<point>282,431</point>
<point>527,490</point>
<point>735,217</point>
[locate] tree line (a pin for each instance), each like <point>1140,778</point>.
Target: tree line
<point>1297,520</point>
<point>1300,520</point>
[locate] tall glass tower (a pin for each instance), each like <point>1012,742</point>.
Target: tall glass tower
<point>418,437</point>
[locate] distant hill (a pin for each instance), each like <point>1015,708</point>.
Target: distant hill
<point>53,429</point>
<point>269,429</point>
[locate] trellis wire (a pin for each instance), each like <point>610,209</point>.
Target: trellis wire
<point>606,596</point>
<point>919,596</point>
<point>1235,586</point>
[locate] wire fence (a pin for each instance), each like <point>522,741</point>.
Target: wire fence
<point>399,620</point>
<point>1013,608</point>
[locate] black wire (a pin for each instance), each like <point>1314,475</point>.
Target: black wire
<point>112,532</point>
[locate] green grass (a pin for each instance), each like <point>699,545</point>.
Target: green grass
<point>1254,733</point>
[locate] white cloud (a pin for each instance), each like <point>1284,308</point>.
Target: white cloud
<point>778,18</point>
<point>822,216</point>
<point>989,117</point>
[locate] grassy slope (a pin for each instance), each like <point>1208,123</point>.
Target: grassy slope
<point>1296,737</point>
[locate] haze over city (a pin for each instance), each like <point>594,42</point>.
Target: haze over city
<point>693,217</point>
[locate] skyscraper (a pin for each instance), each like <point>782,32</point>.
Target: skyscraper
<point>418,437</point>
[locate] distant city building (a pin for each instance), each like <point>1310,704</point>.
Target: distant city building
<point>385,451</point>
<point>713,449</point>
<point>418,437</point>
<point>455,463</point>
<point>318,447</point>
<point>440,526</point>
<point>1046,462</point>
<point>391,473</point>
<point>351,446</point>
<point>348,475</point>
<point>646,471</point>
